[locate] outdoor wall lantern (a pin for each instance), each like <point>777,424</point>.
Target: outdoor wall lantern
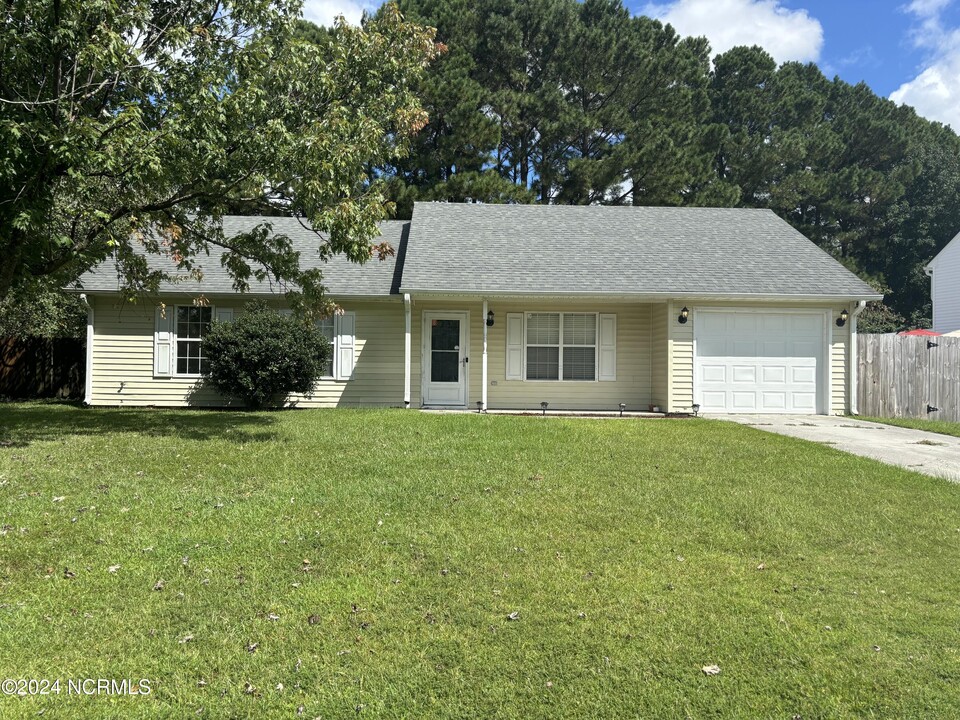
<point>684,314</point>
<point>490,318</point>
<point>842,320</point>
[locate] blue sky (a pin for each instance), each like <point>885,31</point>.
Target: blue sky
<point>908,50</point>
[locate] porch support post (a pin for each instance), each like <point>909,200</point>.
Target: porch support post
<point>406,350</point>
<point>483,390</point>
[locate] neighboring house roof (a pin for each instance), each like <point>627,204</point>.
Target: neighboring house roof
<point>600,250</point>
<point>341,277</point>
<point>921,332</point>
<point>930,265</point>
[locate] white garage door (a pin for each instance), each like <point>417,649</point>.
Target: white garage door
<point>749,362</point>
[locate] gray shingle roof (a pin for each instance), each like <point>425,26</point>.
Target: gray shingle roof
<point>567,250</point>
<point>557,250</point>
<point>341,277</point>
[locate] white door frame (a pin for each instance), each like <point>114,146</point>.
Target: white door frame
<point>825,386</point>
<point>463,397</point>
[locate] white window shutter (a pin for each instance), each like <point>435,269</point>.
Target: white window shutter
<point>608,347</point>
<point>345,346</point>
<point>514,369</point>
<point>224,315</point>
<point>163,328</point>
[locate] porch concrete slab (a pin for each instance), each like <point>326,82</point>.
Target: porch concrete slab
<point>609,414</point>
<point>925,452</point>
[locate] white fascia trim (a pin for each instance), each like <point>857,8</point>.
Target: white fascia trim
<point>239,297</point>
<point>653,297</point>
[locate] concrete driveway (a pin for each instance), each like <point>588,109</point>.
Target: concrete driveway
<point>925,452</point>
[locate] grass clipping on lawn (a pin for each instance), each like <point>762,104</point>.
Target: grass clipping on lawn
<point>398,564</point>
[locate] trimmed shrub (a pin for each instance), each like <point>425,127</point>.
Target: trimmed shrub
<point>262,355</point>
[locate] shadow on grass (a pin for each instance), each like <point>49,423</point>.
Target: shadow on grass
<point>21,424</point>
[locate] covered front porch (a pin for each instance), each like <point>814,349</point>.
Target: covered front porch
<point>514,353</point>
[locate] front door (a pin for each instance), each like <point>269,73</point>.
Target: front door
<point>445,358</point>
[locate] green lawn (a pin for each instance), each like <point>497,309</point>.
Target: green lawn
<point>367,562</point>
<point>938,426</point>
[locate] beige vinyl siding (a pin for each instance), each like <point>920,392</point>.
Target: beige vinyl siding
<point>632,385</point>
<point>680,353</point>
<point>659,361</point>
<point>839,345</point>
<point>123,360</point>
<point>654,358</point>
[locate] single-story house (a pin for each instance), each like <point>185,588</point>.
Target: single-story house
<point>944,272</point>
<point>509,306</point>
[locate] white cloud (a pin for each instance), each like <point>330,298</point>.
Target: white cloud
<point>786,34</point>
<point>323,12</point>
<point>935,91</point>
<point>927,8</point>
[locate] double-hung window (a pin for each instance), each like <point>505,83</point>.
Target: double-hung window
<point>192,325</point>
<point>179,331</point>
<point>178,338</point>
<point>561,346</point>
<point>565,347</point>
<point>340,332</point>
<point>543,346</point>
<point>579,348</point>
<point>328,327</point>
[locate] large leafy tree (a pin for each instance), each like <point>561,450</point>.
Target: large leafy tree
<point>134,125</point>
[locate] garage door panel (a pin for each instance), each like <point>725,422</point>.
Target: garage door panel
<point>774,374</point>
<point>775,400</point>
<point>743,324</point>
<point>775,348</point>
<point>712,347</point>
<point>744,401</point>
<point>759,362</point>
<point>805,324</point>
<point>805,348</point>
<point>744,348</point>
<point>713,373</point>
<point>713,400</point>
<point>804,402</point>
<point>771,322</point>
<point>712,323</point>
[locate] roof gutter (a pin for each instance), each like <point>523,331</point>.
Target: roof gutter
<point>854,360</point>
<point>88,368</point>
<point>217,295</point>
<point>651,296</point>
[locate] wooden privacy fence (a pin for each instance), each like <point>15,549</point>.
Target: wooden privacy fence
<point>908,376</point>
<point>32,367</point>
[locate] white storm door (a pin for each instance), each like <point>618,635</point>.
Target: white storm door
<point>445,358</point>
<point>759,362</point>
